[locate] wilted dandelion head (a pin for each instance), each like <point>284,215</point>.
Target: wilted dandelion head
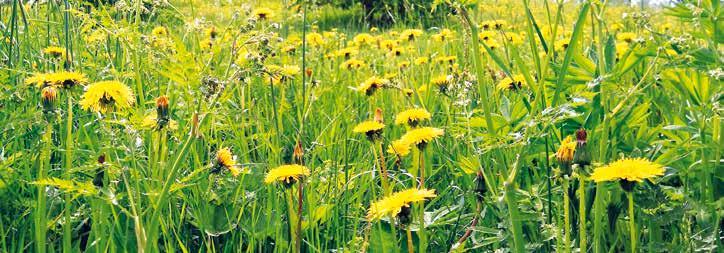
<point>565,152</point>
<point>107,96</point>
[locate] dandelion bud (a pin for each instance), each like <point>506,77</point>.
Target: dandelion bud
<point>564,155</point>
<point>49,96</point>
<point>581,156</point>
<point>298,152</point>
<point>480,187</point>
<point>100,172</point>
<point>378,116</point>
<point>162,111</point>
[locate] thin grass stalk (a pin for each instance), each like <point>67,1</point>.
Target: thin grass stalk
<point>292,219</point>
<point>516,226</point>
<point>379,159</point>
<point>479,72</point>
<point>300,202</point>
<point>422,232</point>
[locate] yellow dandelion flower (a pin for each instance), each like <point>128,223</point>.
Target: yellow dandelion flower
<point>412,117</point>
<point>352,64</point>
<point>422,136</point>
<point>410,34</point>
<point>287,174</point>
<point>403,64</point>
<point>562,45</point>
<point>399,147</point>
<point>442,82</point>
<point>363,39</point>
<point>68,79</point>
<point>486,35</point>
<point>621,50</point>
<point>370,85</point>
<point>225,159</point>
<point>616,27</point>
<point>487,25</point>
<point>55,52</point>
<point>371,128</point>
<point>63,79</point>
<point>514,39</point>
<point>515,82</point>
<point>388,44</point>
<point>397,51</point>
<point>628,169</point>
<point>347,52</point>
<point>421,60</point>
<point>107,95</point>
<point>159,31</point>
<point>38,79</point>
<point>392,205</point>
<point>368,126</point>
<point>263,13</point>
<point>444,35</point>
<point>627,37</point>
<point>211,33</point>
<point>315,39</point>
<point>151,122</point>
<point>492,44</point>
<point>499,24</point>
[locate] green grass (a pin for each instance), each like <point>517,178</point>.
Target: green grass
<point>495,173</point>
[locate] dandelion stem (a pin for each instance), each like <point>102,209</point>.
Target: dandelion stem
<point>632,222</point>
<point>299,215</point>
<point>410,246</point>
<point>41,226</point>
<point>383,171</point>
<point>582,212</point>
<point>68,166</point>
<point>566,217</point>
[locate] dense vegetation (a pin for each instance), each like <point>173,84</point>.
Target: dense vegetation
<point>400,126</point>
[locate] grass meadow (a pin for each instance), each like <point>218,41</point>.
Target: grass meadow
<point>361,126</point>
